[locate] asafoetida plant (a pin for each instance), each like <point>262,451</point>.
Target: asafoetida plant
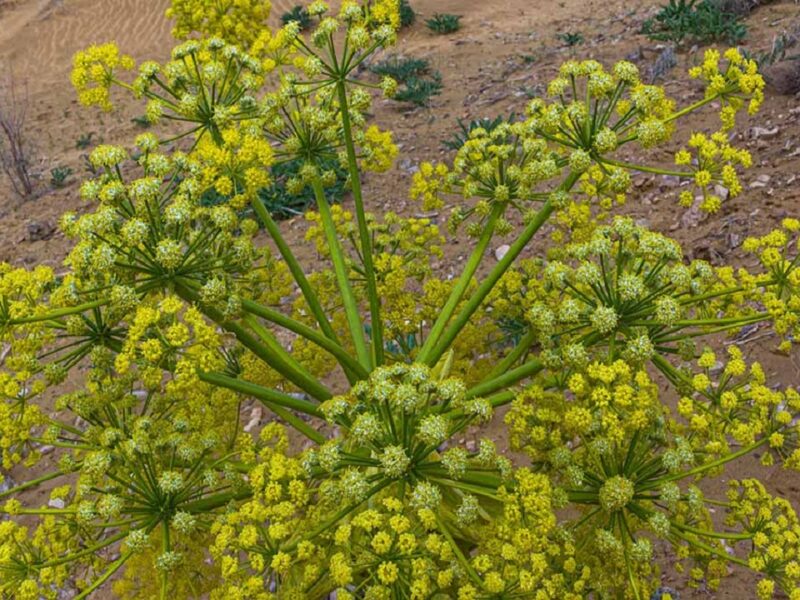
<point>171,313</point>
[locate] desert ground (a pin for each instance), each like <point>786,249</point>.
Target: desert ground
<point>505,52</point>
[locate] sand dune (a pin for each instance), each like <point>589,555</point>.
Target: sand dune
<point>43,35</point>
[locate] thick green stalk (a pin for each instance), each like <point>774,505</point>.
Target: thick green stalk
<point>460,288</point>
<point>32,483</point>
<point>348,363</point>
<point>714,464</point>
<point>266,336</point>
<point>271,352</point>
<point>514,355</point>
<point>294,268</point>
<point>457,551</point>
<point>528,369</point>
<point>261,392</point>
<point>90,550</point>
<point>363,230</point>
<point>487,285</point>
<point>59,312</point>
<point>245,387</point>
<point>115,566</point>
<point>340,268</point>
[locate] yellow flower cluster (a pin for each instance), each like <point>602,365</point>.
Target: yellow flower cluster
<point>775,530</point>
<point>93,73</point>
<point>782,297</point>
<point>607,403</point>
<point>236,21</point>
<point>236,169</point>
<point>25,554</point>
<point>740,76</point>
<point>715,164</point>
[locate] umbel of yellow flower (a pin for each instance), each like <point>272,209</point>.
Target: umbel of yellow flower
<point>236,21</point>
<point>93,73</point>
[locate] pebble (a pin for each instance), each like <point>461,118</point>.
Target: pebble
<point>6,483</point>
<point>501,251</point>
<point>255,419</point>
<point>57,503</point>
<point>764,133</point>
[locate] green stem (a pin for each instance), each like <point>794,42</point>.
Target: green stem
<point>648,169</point>
<point>90,550</point>
<point>714,551</point>
<point>294,268</point>
<point>714,464</point>
<point>271,353</point>
<point>261,392</point>
<point>165,547</point>
<point>487,285</point>
<point>691,108</point>
<point>463,282</point>
<point>115,566</point>
<point>354,370</point>
<point>363,230</point>
<point>59,312</point>
<point>528,369</point>
<point>340,269</point>
<point>460,555</point>
<point>714,534</point>
<point>516,353</point>
<point>32,483</point>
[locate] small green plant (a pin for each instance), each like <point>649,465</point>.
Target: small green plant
<point>142,121</point>
<point>571,38</point>
<point>277,200</point>
<point>84,140</point>
<point>407,14</point>
<point>401,68</point>
<point>779,50</point>
<point>703,22</point>
<point>459,138</point>
<point>419,90</point>
<point>59,176</point>
<point>418,82</point>
<point>444,23</point>
<point>298,14</point>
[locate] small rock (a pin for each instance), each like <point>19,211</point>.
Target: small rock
<point>57,503</point>
<point>6,483</point>
<point>764,133</point>
<point>408,166</point>
<point>670,181</point>
<point>37,231</point>
<point>694,215</point>
<point>255,419</point>
<point>722,192</point>
<point>471,446</point>
<point>501,251</point>
<point>784,77</point>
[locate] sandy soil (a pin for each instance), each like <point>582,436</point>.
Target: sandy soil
<point>504,51</point>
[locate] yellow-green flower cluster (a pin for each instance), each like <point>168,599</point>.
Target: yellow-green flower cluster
<point>93,73</point>
<point>774,528</point>
<point>740,77</point>
<point>714,163</point>
<point>236,21</point>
